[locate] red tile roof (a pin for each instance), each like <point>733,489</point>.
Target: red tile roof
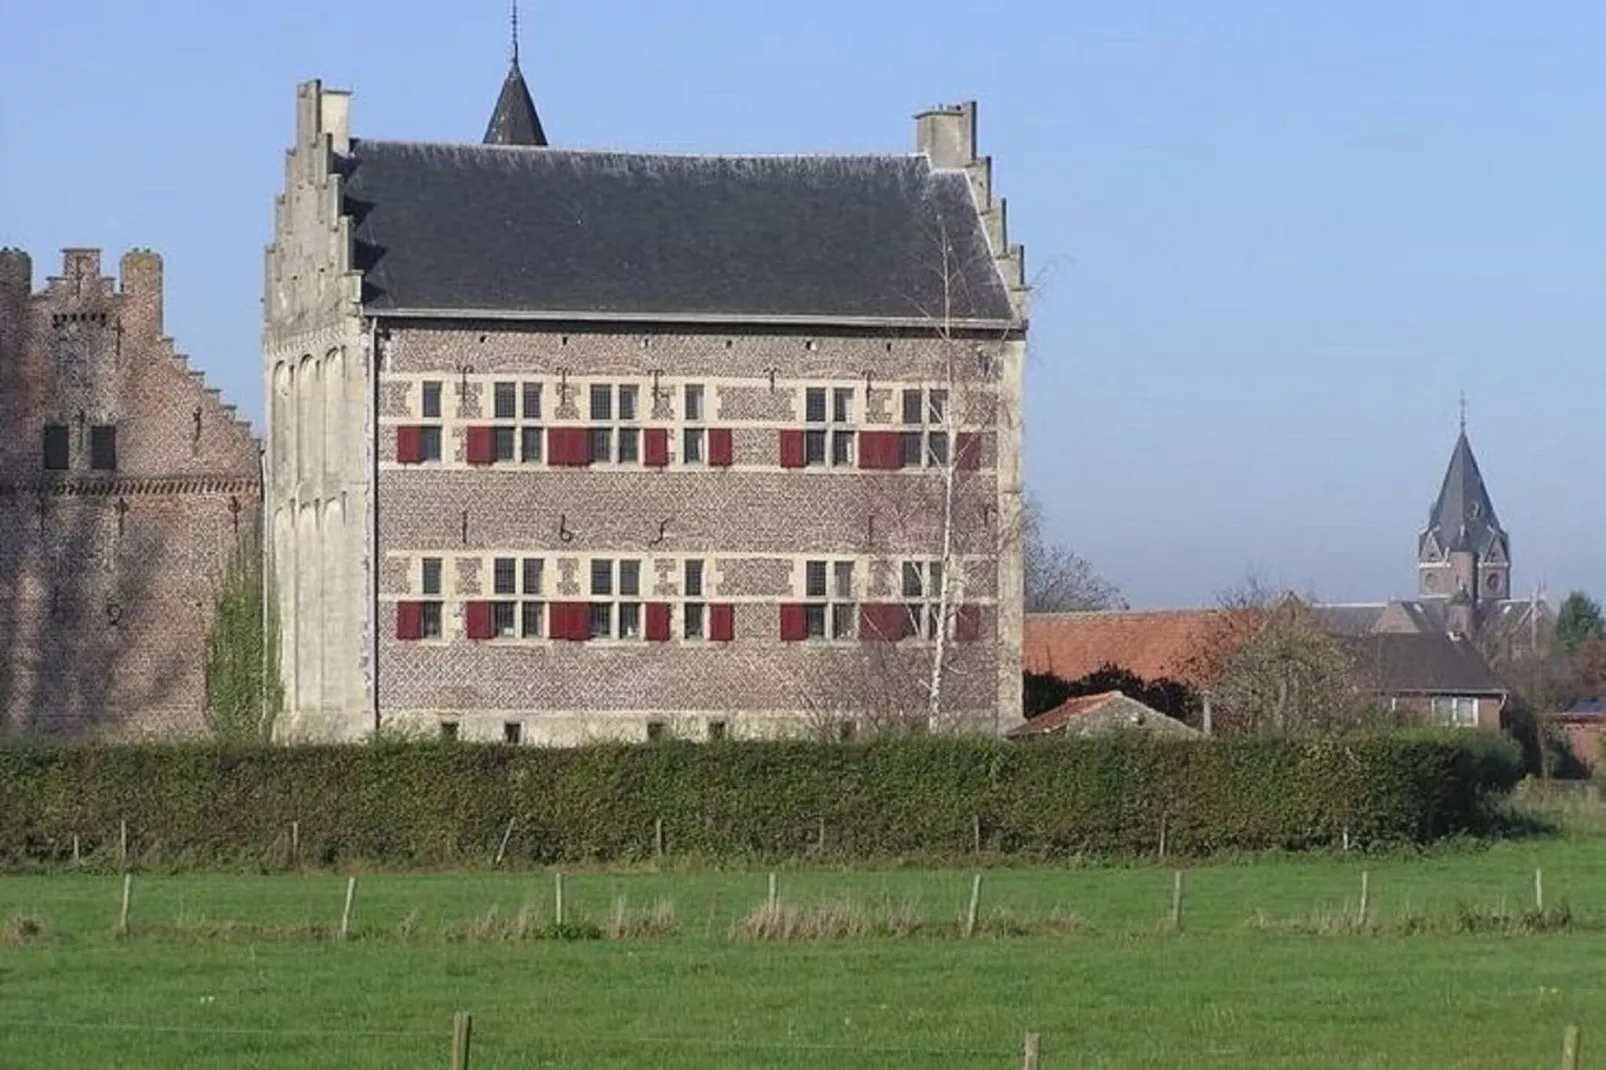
<point>1180,644</point>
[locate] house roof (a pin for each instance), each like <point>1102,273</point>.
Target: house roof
<point>1106,712</point>
<point>1401,663</point>
<point>1587,709</point>
<point>1152,644</point>
<point>512,230</point>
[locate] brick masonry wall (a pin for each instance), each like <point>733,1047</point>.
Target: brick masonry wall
<point>755,524</point>
<point>107,578</point>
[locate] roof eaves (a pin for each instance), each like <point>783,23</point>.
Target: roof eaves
<point>1010,326</point>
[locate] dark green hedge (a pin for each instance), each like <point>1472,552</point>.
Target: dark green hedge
<point>425,804</point>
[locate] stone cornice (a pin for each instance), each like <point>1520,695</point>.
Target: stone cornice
<point>121,486</point>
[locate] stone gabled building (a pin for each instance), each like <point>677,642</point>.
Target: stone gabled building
<point>126,486</point>
<point>568,444</point>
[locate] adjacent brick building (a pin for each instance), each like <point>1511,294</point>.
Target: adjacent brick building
<point>569,444</point>
<point>125,486</point>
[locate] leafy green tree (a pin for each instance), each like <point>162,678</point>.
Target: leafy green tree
<point>243,690</point>
<point>1578,621</point>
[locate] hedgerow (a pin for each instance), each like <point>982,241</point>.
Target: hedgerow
<point>449,803</point>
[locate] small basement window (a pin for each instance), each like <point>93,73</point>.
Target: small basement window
<point>56,448</point>
<point>449,731</point>
<point>513,732</point>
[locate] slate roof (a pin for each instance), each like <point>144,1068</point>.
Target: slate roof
<point>1112,711</point>
<point>1463,517</point>
<point>513,120</point>
<point>460,229</point>
<point>1152,644</point>
<point>1401,663</point>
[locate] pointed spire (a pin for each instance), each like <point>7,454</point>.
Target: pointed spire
<point>514,122</point>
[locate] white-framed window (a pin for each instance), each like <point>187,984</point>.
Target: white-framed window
<point>615,598</point>
<point>924,415</point>
<point>830,607</point>
<point>693,610</point>
<point>1456,711</point>
<point>829,438</point>
<point>921,589</point>
<point>429,583</point>
<point>613,409</point>
<point>518,611</point>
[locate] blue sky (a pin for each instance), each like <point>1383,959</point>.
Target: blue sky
<point>1272,241</point>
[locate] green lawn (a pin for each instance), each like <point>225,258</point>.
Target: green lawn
<point>1114,989</point>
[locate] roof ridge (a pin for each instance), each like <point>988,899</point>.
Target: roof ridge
<point>549,150</point>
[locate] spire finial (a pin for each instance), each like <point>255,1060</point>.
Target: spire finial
<point>515,32</point>
<point>1463,412</point>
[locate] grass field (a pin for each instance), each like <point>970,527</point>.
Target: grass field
<point>242,971</point>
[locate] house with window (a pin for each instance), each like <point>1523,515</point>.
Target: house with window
<point>569,444</point>
<point>126,488</point>
<point>1438,678</point>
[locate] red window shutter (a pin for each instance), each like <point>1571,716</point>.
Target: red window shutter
<point>720,447</point>
<point>883,622</point>
<point>409,444</point>
<point>793,452</point>
<point>967,451</point>
<point>655,447</point>
<point>721,622</point>
<point>409,620</point>
<point>881,450</point>
<point>568,446</point>
<point>481,445</point>
<point>794,622</point>
<point>571,621</point>
<point>657,622</point>
<point>478,622</point>
<point>967,624</point>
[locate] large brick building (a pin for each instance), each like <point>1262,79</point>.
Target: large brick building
<point>125,486</point>
<point>571,444</point>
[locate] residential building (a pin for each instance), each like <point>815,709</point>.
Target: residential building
<point>126,489</point>
<point>1437,678</point>
<point>570,444</point>
<point>1100,715</point>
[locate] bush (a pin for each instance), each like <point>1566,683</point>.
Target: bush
<point>442,803</point>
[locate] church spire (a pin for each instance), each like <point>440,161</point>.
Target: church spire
<point>1462,524</point>
<point>514,122</point>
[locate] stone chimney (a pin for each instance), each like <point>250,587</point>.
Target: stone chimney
<point>141,274</point>
<point>948,135</point>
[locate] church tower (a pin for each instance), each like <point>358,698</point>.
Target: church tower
<point>1464,555</point>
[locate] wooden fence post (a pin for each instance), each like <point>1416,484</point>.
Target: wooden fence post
<point>462,1030</point>
<point>819,845</point>
<point>772,900</point>
<point>507,834</point>
<point>345,915</point>
<point>76,857</point>
<point>1569,1048</point>
<point>1176,901</point>
<point>1539,889</point>
<point>122,843</point>
<point>975,905</point>
<point>557,898</point>
<point>658,838</point>
<point>1366,889</point>
<point>975,833</point>
<point>295,843</point>
<point>1162,836</point>
<point>1029,1054</point>
<point>128,894</point>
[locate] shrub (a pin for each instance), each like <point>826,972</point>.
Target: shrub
<point>438,804</point>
